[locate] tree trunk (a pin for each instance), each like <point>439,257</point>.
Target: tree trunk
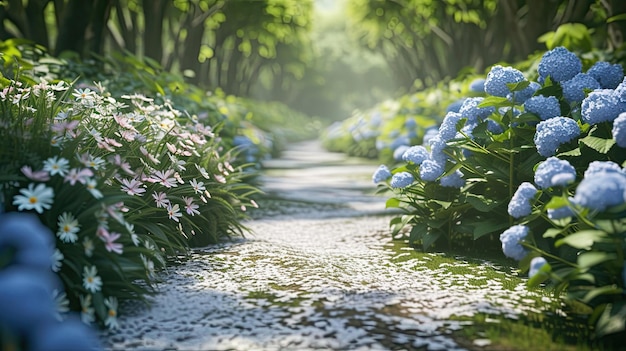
<point>73,27</point>
<point>153,13</point>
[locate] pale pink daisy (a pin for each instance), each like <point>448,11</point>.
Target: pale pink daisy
<point>149,155</point>
<point>78,175</point>
<point>132,187</point>
<point>190,207</point>
<point>109,240</point>
<point>161,199</point>
<point>198,187</point>
<point>38,176</point>
<point>164,178</point>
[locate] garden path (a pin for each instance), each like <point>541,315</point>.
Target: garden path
<point>319,271</point>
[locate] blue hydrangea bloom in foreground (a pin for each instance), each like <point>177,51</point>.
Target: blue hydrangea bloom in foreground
<point>498,78</point>
<point>32,250</point>
<point>596,167</point>
<point>601,106</point>
<point>554,172</point>
<point>520,204</point>
<point>447,130</point>
<point>608,75</point>
<point>544,107</point>
<point>477,85</point>
<point>551,133</point>
<point>381,174</point>
<point>511,239</point>
<point>430,170</point>
<point>560,213</point>
<point>559,64</point>
<point>416,154</point>
<point>454,180</point>
<point>521,96</point>
<point>619,130</point>
<point>473,113</point>
<point>535,265</point>
<point>574,89</point>
<point>399,152</point>
<point>601,191</point>
<point>401,180</point>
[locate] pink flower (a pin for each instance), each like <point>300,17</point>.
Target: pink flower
<point>132,187</point>
<point>165,178</point>
<point>173,212</point>
<point>161,199</point>
<point>78,175</point>
<point>39,176</point>
<point>109,240</point>
<point>190,207</point>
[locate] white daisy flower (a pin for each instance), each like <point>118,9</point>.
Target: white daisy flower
<point>91,280</point>
<point>68,228</point>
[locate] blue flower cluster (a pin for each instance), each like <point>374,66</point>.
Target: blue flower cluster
<point>498,78</point>
<point>27,287</point>
<point>619,130</point>
<point>453,180</point>
<point>381,174</point>
<point>511,239</point>
<point>544,107</point>
<point>535,265</point>
<point>416,154</point>
<point>521,96</point>
<point>554,172</point>
<point>608,75</point>
<point>596,167</point>
<point>399,152</point>
<point>401,180</point>
<point>603,190</point>
<point>553,132</point>
<point>602,105</point>
<point>447,129</point>
<point>559,64</point>
<point>574,89</point>
<point>472,112</point>
<point>521,202</point>
<point>430,170</point>
<point>560,213</point>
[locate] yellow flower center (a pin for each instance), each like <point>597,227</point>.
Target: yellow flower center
<point>112,313</point>
<point>32,200</point>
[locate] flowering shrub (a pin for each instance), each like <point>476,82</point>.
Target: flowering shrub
<point>123,183</point>
<point>541,173</point>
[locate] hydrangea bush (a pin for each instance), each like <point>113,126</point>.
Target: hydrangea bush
<point>123,183</point>
<point>535,166</point>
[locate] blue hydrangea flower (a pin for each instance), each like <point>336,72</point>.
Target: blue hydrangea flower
<point>429,135</point>
<point>619,130</point>
<point>498,78</point>
<point>574,89</point>
<point>32,250</point>
<point>416,154</point>
<point>554,172</point>
<point>71,334</point>
<point>473,113</point>
<point>437,147</point>
<point>410,123</point>
<point>455,106</point>
<point>601,105</point>
<point>521,96</point>
<point>401,180</point>
<point>544,107</point>
<point>447,129</point>
<point>494,127</point>
<point>620,91</point>
<point>397,153</point>
<point>603,190</point>
<point>399,141</point>
<point>608,75</point>
<point>596,167</point>
<point>454,180</point>
<point>551,133</point>
<point>477,85</point>
<point>560,213</point>
<point>430,170</point>
<point>535,265</point>
<point>511,239</point>
<point>559,64</point>
<point>520,204</point>
<point>381,174</point>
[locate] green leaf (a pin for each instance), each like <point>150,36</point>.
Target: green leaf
<point>583,239</point>
<point>557,202</point>
<point>601,145</point>
<point>494,101</point>
<point>541,276</point>
<point>429,238</point>
<point>392,203</point>
<point>552,233</point>
<point>486,227</point>
<point>603,290</point>
<point>590,259</point>
<point>620,17</point>
<point>480,203</point>
<point>612,320</point>
<point>518,86</point>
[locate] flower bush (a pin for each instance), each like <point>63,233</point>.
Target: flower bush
<point>539,173</point>
<point>123,183</point>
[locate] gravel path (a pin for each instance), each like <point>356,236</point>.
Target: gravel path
<point>318,272</point>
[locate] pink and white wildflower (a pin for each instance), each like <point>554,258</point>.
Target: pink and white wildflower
<point>109,240</point>
<point>38,176</point>
<point>160,199</point>
<point>78,175</point>
<point>173,212</point>
<point>190,207</point>
<point>133,187</point>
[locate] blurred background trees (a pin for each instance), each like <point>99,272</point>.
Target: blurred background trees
<point>324,57</point>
